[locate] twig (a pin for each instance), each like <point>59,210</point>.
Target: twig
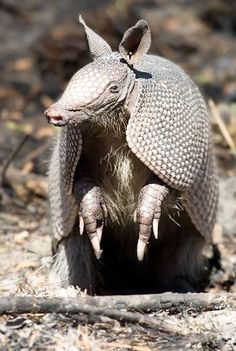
<point>36,152</point>
<point>11,9</point>
<point>33,182</point>
<point>222,126</point>
<point>168,301</point>
<point>11,158</point>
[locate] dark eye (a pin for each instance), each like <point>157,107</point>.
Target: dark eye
<point>114,89</point>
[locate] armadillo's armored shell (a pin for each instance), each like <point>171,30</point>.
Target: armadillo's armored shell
<point>201,200</point>
<point>61,175</point>
<point>169,132</point>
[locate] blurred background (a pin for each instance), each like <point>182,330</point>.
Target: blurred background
<point>42,45</point>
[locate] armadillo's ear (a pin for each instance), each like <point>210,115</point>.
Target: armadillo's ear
<point>136,42</point>
<point>97,46</point>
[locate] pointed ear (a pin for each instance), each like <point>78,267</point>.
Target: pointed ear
<point>136,42</point>
<point>97,46</point>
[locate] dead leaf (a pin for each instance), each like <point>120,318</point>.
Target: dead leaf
<point>26,264</point>
<point>6,92</point>
<point>19,238</point>
<point>37,186</point>
<point>22,64</point>
<point>17,323</point>
<point>28,167</point>
<point>25,128</point>
<point>127,346</point>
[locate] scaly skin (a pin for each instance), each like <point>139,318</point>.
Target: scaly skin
<point>63,206</point>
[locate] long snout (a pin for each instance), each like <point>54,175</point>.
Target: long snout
<point>56,116</point>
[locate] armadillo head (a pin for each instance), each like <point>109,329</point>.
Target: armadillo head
<point>106,83</point>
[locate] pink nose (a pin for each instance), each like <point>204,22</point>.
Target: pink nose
<point>53,115</point>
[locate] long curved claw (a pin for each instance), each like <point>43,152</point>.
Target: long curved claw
<point>141,249</point>
<point>94,232</point>
<point>99,232</point>
<point>145,228</point>
<point>81,225</point>
<point>95,244</point>
<point>135,216</point>
<point>155,227</point>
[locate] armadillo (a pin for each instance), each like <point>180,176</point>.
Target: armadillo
<point>133,190</point>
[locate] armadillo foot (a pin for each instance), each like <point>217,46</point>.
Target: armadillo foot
<point>92,213</point>
<point>148,213</point>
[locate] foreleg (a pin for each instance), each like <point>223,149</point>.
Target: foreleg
<point>92,211</point>
<point>148,213</point>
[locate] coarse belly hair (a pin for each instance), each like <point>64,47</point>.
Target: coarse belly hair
<point>122,181</point>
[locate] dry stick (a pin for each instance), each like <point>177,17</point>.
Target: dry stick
<point>26,304</point>
<point>37,152</point>
<point>16,177</point>
<point>11,9</point>
<point>106,305</point>
<point>168,301</point>
<point>222,126</point>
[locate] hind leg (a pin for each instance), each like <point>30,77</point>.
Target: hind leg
<point>178,256</point>
<point>74,263</point>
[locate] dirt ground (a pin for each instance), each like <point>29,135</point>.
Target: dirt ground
<point>42,45</point>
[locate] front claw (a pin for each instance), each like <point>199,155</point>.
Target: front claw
<point>148,213</point>
<point>92,214</point>
<point>95,244</point>
<point>141,246</point>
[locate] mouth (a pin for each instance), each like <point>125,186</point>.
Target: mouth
<point>58,121</point>
<point>60,117</point>
<point>55,117</point>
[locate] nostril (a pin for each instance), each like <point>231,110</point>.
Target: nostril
<point>53,116</point>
